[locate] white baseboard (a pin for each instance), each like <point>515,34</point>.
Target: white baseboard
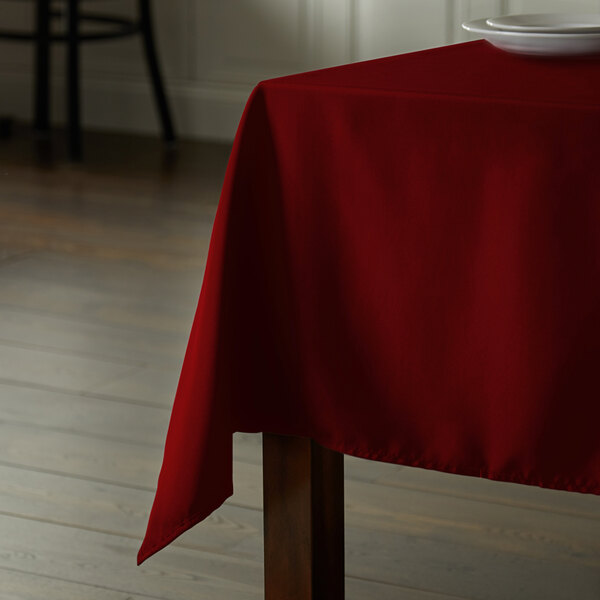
<point>199,110</point>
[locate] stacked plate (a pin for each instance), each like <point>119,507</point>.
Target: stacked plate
<point>541,34</point>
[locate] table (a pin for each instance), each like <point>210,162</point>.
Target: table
<point>404,266</point>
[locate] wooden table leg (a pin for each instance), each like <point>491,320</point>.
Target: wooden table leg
<point>304,519</point>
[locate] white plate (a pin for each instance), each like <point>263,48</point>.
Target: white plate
<point>537,44</point>
<point>547,23</point>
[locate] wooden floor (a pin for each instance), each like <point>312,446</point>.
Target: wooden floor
<point>100,268</point>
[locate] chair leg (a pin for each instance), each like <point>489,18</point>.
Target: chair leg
<point>160,96</point>
<point>73,92</point>
<point>42,66</point>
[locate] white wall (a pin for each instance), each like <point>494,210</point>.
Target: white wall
<point>214,51</point>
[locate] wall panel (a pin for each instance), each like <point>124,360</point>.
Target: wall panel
<point>384,27</point>
<point>546,6</point>
<point>215,51</point>
<point>241,41</point>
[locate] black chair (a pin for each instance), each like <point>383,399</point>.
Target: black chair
<point>113,27</point>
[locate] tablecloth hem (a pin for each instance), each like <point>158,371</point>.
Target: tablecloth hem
<point>146,551</point>
<point>579,484</point>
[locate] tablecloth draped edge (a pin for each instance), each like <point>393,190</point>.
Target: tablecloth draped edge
<point>146,551</point>
<point>579,484</point>
<point>570,484</point>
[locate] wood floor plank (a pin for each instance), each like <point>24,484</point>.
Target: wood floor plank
<point>114,509</point>
<point>149,301</point>
<point>19,585</point>
<point>157,244</point>
<point>514,530</point>
<point>7,250</point>
<point>83,456</point>
<point>485,490</point>
<point>77,414</point>
<point>94,339</point>
<point>451,568</point>
<point>115,279</point>
<point>59,300</point>
<point>145,228</point>
<point>361,469</point>
<point>106,560</point>
<point>74,373</point>
<point>363,589</point>
<point>152,383</point>
<point>105,461</point>
<point>9,253</point>
<point>435,565</point>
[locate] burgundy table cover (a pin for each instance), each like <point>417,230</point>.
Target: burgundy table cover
<point>404,266</point>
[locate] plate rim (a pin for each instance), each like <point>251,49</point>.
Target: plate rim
<point>593,28</point>
<point>481,26</point>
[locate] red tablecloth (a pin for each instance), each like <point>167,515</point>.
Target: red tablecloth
<point>404,266</point>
